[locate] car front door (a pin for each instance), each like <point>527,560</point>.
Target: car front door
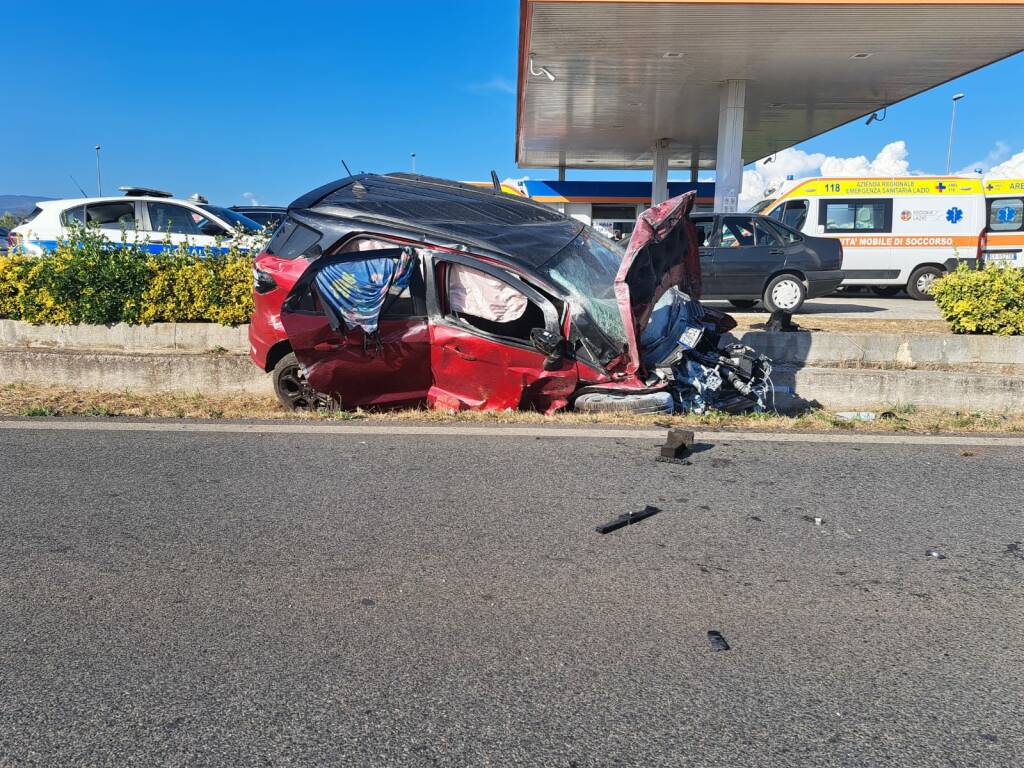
<point>483,324</point>
<point>385,369</point>
<point>739,261</point>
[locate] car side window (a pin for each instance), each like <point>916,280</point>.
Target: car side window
<point>787,235</point>
<point>705,232</point>
<point>766,234</point>
<point>113,215</point>
<point>489,304</point>
<point>179,220</point>
<point>737,232</point>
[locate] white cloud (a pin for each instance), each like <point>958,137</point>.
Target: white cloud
<point>769,174</point>
<point>251,198</point>
<point>995,156</point>
<point>496,84</point>
<point>1012,168</point>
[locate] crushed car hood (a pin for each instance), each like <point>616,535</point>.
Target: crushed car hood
<point>662,253</point>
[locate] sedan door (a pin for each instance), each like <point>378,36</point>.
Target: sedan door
<point>706,235</point>
<point>741,263</point>
<point>174,224</point>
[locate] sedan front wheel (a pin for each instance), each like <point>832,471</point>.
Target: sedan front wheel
<point>786,293</point>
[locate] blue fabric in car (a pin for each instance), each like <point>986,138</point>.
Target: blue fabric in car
<point>357,290</point>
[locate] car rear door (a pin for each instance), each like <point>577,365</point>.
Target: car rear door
<point>739,261</point>
<point>385,369</point>
<point>706,236</point>
<point>482,319</point>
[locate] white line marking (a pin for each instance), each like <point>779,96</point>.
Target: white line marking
<point>453,430</point>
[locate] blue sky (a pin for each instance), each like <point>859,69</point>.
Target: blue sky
<point>268,98</point>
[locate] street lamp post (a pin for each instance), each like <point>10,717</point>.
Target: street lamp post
<point>99,186</point>
<point>952,125</point>
<point>412,156</point>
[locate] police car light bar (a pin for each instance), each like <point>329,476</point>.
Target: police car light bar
<point>144,191</point>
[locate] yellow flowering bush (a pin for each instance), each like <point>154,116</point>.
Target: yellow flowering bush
<point>986,301</point>
<point>87,279</point>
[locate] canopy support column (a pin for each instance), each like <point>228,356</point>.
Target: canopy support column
<point>659,185</point>
<point>729,165</point>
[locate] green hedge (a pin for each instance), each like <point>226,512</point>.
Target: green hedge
<point>987,301</point>
<point>89,280</point>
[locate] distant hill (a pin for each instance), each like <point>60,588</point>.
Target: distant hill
<point>19,205</point>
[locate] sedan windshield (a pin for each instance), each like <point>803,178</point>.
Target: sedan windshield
<point>234,218</point>
<point>586,270</point>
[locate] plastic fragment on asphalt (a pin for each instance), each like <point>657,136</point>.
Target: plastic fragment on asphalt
<point>815,520</point>
<point>678,444</point>
<point>627,519</point>
<point>718,642</point>
<point>936,554</point>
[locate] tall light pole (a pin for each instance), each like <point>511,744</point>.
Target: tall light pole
<point>99,185</point>
<point>412,155</point>
<point>952,125</point>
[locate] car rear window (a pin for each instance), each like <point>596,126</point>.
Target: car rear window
<point>292,240</point>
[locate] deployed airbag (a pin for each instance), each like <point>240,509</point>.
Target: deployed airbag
<point>471,292</point>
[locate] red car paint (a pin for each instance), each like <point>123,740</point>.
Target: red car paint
<point>265,329</point>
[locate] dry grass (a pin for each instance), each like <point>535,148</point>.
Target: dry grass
<point>19,400</point>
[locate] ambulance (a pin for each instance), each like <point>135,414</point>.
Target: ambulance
<point>896,232</point>
<point>1003,238</point>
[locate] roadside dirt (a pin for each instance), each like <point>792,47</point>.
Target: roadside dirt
<point>24,401</point>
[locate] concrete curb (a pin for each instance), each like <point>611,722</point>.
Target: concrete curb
<point>226,373</point>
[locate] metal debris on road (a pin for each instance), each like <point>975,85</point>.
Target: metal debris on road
<point>627,519</point>
<point>936,554</point>
<point>718,642</point>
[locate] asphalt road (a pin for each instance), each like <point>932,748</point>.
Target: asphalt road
<point>225,599</point>
<point>851,305</point>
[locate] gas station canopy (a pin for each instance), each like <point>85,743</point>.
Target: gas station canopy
<point>628,74</point>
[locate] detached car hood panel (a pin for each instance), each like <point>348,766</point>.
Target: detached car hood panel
<point>662,253</point>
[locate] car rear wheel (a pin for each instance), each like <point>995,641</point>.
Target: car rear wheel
<point>886,291</point>
<point>785,293</point>
<point>920,284</point>
<point>743,303</point>
<point>292,389</point>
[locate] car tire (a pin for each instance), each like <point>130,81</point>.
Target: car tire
<point>292,389</point>
<point>785,293</point>
<point>886,291</point>
<point>613,402</point>
<point>743,303</point>
<point>920,283</point>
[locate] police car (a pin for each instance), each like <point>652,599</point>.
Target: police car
<point>154,219</point>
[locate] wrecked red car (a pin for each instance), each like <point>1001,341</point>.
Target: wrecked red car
<point>383,291</point>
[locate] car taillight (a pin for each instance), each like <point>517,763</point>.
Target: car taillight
<point>982,246</point>
<point>262,282</point>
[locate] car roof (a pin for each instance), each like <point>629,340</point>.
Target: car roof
<point>72,202</point>
<point>524,231</point>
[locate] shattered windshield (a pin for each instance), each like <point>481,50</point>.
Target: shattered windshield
<point>586,270</point>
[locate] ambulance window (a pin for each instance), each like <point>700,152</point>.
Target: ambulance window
<point>856,215</point>
<point>795,214</point>
<point>1006,215</point>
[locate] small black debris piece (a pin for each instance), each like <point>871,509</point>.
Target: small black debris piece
<point>664,460</point>
<point>1014,549</point>
<point>368,601</point>
<point>815,520</point>
<point>678,444</point>
<point>627,519</point>
<point>718,642</point>
<point>756,519</point>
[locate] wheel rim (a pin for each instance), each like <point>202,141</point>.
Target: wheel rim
<point>786,294</point>
<point>925,281</point>
<point>296,392</point>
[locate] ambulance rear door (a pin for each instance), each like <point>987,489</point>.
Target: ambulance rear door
<point>1005,223</point>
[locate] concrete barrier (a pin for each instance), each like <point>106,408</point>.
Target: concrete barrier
<point>118,371</point>
<point>176,357</point>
